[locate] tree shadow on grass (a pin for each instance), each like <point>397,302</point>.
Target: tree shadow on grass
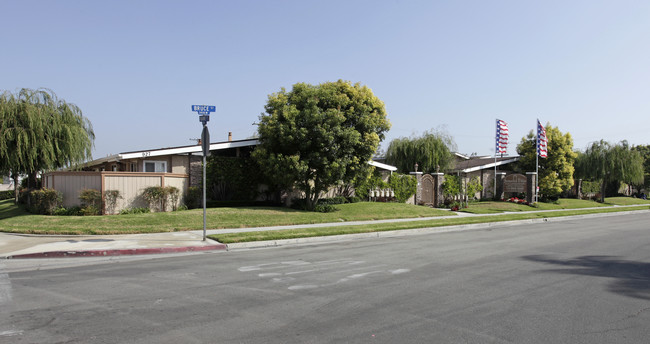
<point>631,278</point>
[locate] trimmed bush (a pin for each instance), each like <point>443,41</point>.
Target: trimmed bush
<point>110,200</point>
<point>136,210</point>
<point>44,201</point>
<point>404,186</point>
<point>72,211</point>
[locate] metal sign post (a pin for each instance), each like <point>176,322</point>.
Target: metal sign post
<point>204,112</point>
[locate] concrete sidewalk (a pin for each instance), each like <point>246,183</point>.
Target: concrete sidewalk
<point>51,246</point>
<point>14,246</point>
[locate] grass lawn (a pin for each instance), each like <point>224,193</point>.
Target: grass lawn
<point>491,207</point>
<point>16,220</point>
<point>368,228</point>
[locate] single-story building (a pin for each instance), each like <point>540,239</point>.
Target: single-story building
<point>131,172</point>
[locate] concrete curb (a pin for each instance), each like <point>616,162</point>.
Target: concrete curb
<point>419,231</point>
<point>118,252</point>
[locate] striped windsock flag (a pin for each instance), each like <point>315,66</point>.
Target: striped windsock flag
<point>502,137</point>
<point>542,141</point>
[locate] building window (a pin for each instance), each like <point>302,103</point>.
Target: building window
<point>133,167</point>
<point>114,168</point>
<point>155,166</point>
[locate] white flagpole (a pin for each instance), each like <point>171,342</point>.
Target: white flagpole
<point>537,162</point>
<point>496,149</point>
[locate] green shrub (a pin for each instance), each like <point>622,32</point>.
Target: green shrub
<point>9,194</point>
<point>194,197</point>
<point>324,208</point>
<point>362,186</point>
<point>72,211</point>
<point>354,199</point>
<point>404,186</point>
<point>333,200</point>
<point>44,201</point>
<point>90,210</point>
<point>90,197</point>
<point>110,200</point>
<point>136,210</point>
<point>155,196</point>
<point>181,207</point>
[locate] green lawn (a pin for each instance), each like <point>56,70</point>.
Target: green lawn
<point>490,207</point>
<point>14,219</point>
<point>369,228</point>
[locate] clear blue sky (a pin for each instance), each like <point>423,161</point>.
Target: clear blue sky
<point>136,67</point>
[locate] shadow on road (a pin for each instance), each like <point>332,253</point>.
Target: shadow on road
<point>630,278</point>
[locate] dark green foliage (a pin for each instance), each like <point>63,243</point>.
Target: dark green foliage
<point>644,152</point>
<point>431,151</point>
<point>9,194</point>
<point>72,211</point>
<point>365,183</point>
<point>91,210</point>
<point>611,165</point>
<point>451,186</point>
<point>324,208</point>
<point>91,198</point>
<point>44,201</point>
<point>316,137</point>
<point>39,132</point>
<point>194,197</point>
<point>556,171</point>
<point>404,186</point>
<point>135,210</point>
<point>233,178</point>
<point>354,199</point>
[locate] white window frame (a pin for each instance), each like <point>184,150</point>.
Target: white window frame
<point>155,162</point>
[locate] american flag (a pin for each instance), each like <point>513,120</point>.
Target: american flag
<point>542,141</point>
<point>502,137</point>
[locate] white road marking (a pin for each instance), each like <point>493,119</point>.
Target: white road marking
<point>337,267</point>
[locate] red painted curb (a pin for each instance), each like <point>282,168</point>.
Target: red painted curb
<point>121,252</point>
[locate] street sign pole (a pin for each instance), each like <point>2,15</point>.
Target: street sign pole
<point>204,112</point>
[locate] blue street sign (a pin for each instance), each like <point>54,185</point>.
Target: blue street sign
<point>204,109</point>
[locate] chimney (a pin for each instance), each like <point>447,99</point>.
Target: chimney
<point>229,136</point>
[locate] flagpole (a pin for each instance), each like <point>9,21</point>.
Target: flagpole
<point>537,163</point>
<point>496,149</point>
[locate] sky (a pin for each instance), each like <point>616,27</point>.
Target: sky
<point>136,67</point>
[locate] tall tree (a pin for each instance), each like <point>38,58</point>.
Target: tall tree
<point>610,164</point>
<point>40,132</point>
<point>644,151</point>
<point>555,171</point>
<point>317,136</point>
<point>432,151</point>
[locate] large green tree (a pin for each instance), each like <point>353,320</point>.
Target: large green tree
<point>555,171</point>
<point>610,164</point>
<point>317,136</point>
<point>432,151</point>
<point>644,151</point>
<point>39,132</point>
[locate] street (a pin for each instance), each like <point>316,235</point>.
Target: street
<point>575,281</point>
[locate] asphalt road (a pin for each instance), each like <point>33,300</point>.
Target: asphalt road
<point>579,281</point>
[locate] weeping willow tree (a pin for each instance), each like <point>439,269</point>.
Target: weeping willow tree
<point>610,164</point>
<point>432,152</point>
<point>40,132</point>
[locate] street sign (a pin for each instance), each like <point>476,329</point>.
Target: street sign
<point>204,109</point>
